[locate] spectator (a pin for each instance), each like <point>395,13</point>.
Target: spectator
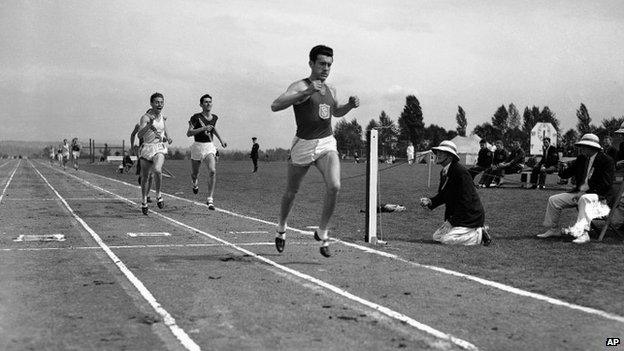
<point>484,161</point>
<point>609,149</point>
<point>255,147</point>
<point>410,153</point>
<point>547,165</point>
<point>492,174</point>
<point>127,162</point>
<point>594,173</point>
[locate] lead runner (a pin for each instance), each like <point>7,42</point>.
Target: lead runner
<point>314,103</point>
<point>153,131</point>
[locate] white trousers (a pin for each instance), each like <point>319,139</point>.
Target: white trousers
<point>447,234</point>
<point>589,207</point>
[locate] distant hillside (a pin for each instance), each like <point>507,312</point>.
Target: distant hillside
<point>24,148</point>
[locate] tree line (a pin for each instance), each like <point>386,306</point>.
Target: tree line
<point>506,124</point>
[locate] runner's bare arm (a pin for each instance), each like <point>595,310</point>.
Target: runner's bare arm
<point>341,110</point>
<point>144,125</point>
<point>167,137</point>
<point>133,135</point>
<point>223,143</point>
<point>296,93</point>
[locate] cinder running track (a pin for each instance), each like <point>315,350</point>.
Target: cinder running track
<point>185,278</point>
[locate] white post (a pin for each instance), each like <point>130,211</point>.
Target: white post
<point>429,166</point>
<point>371,188</point>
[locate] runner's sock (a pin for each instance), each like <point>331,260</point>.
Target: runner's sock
<point>323,234</point>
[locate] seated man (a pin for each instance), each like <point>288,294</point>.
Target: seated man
<point>484,161</point>
<point>515,160</point>
<point>547,165</point>
<point>127,162</point>
<point>464,214</point>
<point>491,176</point>
<point>594,173</point>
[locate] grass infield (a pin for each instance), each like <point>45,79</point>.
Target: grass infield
<point>588,275</point>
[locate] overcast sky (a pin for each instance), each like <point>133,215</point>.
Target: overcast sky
<point>87,68</point>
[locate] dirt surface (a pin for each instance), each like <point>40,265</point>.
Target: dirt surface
<point>218,275</point>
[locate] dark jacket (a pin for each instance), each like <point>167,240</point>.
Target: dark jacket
<point>458,193</point>
<point>516,157</point>
<point>484,159</point>
<point>254,150</point>
<point>550,157</point>
<point>500,155</point>
<point>601,180</point>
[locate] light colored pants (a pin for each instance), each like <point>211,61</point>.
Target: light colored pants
<point>589,207</point>
<point>447,234</point>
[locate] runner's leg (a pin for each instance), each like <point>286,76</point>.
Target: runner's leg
<point>294,177</point>
<point>329,166</point>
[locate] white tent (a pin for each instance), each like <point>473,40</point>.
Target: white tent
<point>467,148</point>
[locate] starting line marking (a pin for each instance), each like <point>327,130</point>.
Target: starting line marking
<point>338,291</point>
<point>482,281</point>
<point>134,235</point>
<point>44,237</point>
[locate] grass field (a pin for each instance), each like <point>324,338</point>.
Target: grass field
<point>588,274</point>
<point>199,279</point>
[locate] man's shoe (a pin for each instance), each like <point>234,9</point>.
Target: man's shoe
<point>144,209</point>
<point>149,199</point>
<point>280,243</point>
<point>549,233</point>
<point>160,202</point>
<point>325,250</point>
<point>210,204</point>
<point>534,186</point>
<point>486,239</point>
<point>584,238</point>
<point>541,187</point>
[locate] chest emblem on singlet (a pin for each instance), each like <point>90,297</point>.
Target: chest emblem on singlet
<point>324,111</point>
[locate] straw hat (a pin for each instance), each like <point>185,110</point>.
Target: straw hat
<point>447,146</point>
<point>590,140</point>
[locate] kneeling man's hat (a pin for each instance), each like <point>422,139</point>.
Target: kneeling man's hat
<point>447,146</point>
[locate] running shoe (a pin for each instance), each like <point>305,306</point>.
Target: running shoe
<point>160,202</point>
<point>325,249</point>
<point>280,243</point>
<point>195,189</point>
<point>144,208</point>
<point>210,204</point>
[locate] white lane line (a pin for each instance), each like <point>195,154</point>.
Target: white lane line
<point>153,246</point>
<point>9,181</point>
<point>250,232</point>
<point>82,199</point>
<point>169,321</point>
<point>489,283</point>
<point>379,308</point>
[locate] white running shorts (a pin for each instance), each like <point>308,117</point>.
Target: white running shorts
<point>305,152</point>
<point>149,150</point>
<point>199,151</point>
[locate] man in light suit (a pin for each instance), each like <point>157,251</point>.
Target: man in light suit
<point>594,173</point>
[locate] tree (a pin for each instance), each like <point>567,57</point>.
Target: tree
<point>529,120</point>
<point>514,117</point>
<point>611,125</point>
<point>461,121</point>
<point>584,121</point>
<point>434,135</point>
<point>388,134</point>
<point>348,136</point>
<point>411,121</point>
<point>547,116</point>
<point>488,132</point>
<point>500,119</point>
<point>567,142</point>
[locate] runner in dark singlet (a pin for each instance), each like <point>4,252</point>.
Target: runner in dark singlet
<point>314,103</point>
